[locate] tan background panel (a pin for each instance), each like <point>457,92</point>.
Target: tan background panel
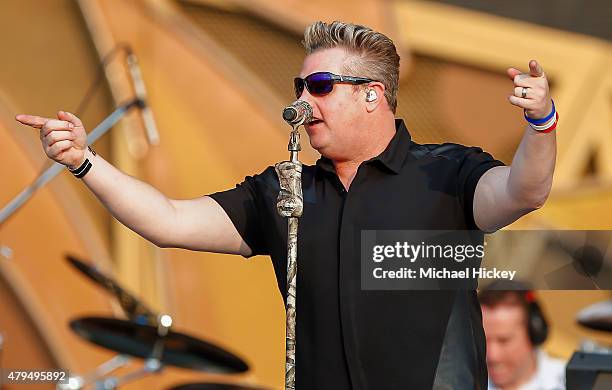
<point>39,236</point>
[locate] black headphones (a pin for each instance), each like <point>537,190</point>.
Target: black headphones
<point>537,326</point>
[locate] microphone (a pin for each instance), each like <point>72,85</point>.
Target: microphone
<point>141,95</point>
<point>299,112</point>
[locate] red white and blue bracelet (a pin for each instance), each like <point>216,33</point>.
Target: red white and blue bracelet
<point>547,124</point>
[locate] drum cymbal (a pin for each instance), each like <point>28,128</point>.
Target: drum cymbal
<point>132,306</point>
<point>138,340</point>
<point>597,316</point>
<point>214,386</point>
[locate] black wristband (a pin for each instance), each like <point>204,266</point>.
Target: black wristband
<point>84,167</point>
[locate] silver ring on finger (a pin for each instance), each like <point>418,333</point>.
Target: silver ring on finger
<point>524,92</point>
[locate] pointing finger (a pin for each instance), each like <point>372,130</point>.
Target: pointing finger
<point>535,69</point>
<point>512,73</point>
<point>32,120</point>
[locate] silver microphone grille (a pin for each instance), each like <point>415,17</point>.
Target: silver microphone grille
<point>299,112</point>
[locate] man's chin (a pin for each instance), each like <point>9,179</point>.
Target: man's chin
<point>500,379</point>
<point>319,144</point>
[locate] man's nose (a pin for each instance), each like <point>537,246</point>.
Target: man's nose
<point>311,100</point>
<point>307,97</point>
<point>493,352</point>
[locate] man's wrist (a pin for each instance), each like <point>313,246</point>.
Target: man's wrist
<point>75,167</point>
<point>85,165</point>
<point>546,124</point>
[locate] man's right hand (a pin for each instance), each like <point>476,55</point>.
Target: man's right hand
<point>64,139</point>
<point>197,224</point>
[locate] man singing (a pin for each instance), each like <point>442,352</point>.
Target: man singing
<point>371,175</point>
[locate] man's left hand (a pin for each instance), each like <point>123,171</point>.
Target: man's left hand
<point>531,90</point>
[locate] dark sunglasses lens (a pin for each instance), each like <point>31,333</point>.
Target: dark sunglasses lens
<point>320,83</point>
<point>298,85</point>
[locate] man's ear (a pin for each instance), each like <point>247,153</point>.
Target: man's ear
<point>373,95</point>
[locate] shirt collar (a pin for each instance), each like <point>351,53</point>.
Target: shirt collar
<point>392,157</point>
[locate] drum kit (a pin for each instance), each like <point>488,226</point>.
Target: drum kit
<point>591,366</point>
<point>145,335</point>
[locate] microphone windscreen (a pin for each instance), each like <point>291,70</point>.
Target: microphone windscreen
<point>290,114</point>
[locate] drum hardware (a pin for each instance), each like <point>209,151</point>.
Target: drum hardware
<point>146,336</point>
<point>133,308</point>
<point>597,316</point>
<point>592,346</point>
<point>214,386</point>
<point>98,377</point>
<point>6,252</point>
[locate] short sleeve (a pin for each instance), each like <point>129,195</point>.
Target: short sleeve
<point>473,164</point>
<point>246,207</point>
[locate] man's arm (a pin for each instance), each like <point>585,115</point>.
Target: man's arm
<point>198,224</point>
<point>504,194</point>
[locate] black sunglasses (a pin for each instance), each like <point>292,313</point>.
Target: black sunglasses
<point>322,83</point>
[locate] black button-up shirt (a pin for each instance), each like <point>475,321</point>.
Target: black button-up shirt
<point>349,338</point>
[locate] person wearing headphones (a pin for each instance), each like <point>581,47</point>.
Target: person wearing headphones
<point>515,328</point>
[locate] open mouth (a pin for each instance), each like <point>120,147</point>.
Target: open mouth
<point>315,122</point>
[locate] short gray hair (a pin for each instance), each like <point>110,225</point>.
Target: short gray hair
<point>377,56</point>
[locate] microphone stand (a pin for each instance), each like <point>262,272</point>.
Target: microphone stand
<point>290,204</point>
<point>56,168</point>
<point>153,364</point>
